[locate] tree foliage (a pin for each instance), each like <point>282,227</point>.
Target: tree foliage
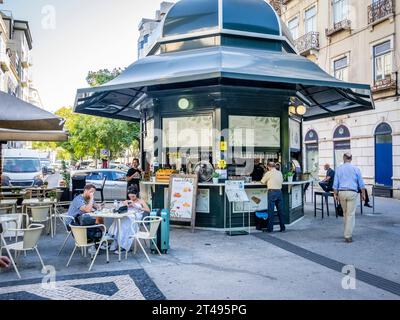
<point>88,135</point>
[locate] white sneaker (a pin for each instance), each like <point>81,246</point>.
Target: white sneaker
<point>103,246</point>
<point>92,250</point>
<point>114,246</point>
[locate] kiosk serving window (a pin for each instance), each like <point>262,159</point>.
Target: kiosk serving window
<point>187,138</point>
<point>258,132</point>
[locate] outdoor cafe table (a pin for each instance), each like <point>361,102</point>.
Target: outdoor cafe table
<point>117,217</point>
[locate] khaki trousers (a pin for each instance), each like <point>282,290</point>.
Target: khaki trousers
<point>348,200</point>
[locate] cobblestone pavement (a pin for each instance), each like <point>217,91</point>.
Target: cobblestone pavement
<point>121,285</point>
<point>303,263</point>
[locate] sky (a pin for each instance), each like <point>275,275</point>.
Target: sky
<point>73,37</point>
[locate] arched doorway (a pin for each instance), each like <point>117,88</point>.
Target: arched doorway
<point>383,155</point>
<point>341,144</point>
<point>312,153</point>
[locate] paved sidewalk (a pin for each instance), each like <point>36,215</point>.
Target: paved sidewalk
<point>212,265</point>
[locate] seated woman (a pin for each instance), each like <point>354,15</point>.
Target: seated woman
<point>139,208</point>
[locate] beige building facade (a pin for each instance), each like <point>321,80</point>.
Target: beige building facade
<point>16,62</point>
<point>356,41</point>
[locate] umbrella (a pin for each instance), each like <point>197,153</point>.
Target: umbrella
<point>22,121</point>
<point>20,115</point>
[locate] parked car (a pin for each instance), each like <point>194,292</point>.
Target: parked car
<point>115,187</point>
<point>22,168</point>
<point>119,166</point>
<point>47,167</point>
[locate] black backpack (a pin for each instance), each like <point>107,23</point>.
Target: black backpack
<point>93,234</point>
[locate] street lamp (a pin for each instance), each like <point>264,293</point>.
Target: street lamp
<point>301,110</point>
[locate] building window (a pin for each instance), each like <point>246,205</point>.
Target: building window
<point>382,61</point>
<point>311,19</point>
<point>341,69</point>
<point>293,26</point>
<point>341,144</point>
<point>339,10</point>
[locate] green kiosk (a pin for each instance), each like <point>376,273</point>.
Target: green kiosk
<point>223,90</point>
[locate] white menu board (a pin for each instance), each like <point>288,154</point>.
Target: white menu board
<point>258,201</point>
<point>235,191</point>
<point>254,131</point>
<point>182,198</point>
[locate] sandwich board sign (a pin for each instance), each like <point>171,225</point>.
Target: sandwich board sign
<point>182,198</point>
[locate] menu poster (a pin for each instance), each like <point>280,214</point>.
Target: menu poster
<point>295,135</point>
<point>254,131</point>
<point>182,198</point>
<point>258,201</point>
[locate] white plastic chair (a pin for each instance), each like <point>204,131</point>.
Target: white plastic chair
<point>149,230</point>
<point>41,214</point>
<point>31,237</point>
<point>67,220</point>
<point>81,241</point>
<point>7,209</point>
<point>59,211</point>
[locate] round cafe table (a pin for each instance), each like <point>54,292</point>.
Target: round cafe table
<point>117,217</point>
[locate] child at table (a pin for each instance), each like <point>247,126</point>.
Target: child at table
<point>136,206</point>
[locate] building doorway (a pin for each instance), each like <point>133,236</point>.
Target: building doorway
<point>383,155</point>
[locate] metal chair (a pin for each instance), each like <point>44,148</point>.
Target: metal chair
<point>82,241</point>
<point>31,237</point>
<point>101,189</point>
<point>41,214</point>
<point>78,184</point>
<point>147,233</point>
<point>67,220</point>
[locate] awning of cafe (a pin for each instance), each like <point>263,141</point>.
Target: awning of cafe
<point>20,115</point>
<point>324,95</point>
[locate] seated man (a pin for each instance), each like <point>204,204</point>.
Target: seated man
<point>327,183</point>
<point>84,203</point>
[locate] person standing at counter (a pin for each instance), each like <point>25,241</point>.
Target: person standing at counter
<point>274,181</point>
<point>133,175</point>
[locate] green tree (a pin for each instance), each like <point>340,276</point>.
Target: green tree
<point>88,135</point>
<point>97,78</point>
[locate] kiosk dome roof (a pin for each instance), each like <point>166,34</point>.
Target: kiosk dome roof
<point>190,16</point>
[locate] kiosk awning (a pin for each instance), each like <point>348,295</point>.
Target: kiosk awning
<point>324,95</point>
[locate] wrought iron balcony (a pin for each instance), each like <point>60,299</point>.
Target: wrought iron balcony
<point>339,26</point>
<point>389,83</point>
<point>308,42</point>
<point>380,10</point>
<point>5,62</point>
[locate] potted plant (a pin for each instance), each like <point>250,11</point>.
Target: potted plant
<point>52,195</point>
<point>289,177</point>
<point>215,177</point>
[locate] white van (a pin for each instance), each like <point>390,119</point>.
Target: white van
<point>22,167</point>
